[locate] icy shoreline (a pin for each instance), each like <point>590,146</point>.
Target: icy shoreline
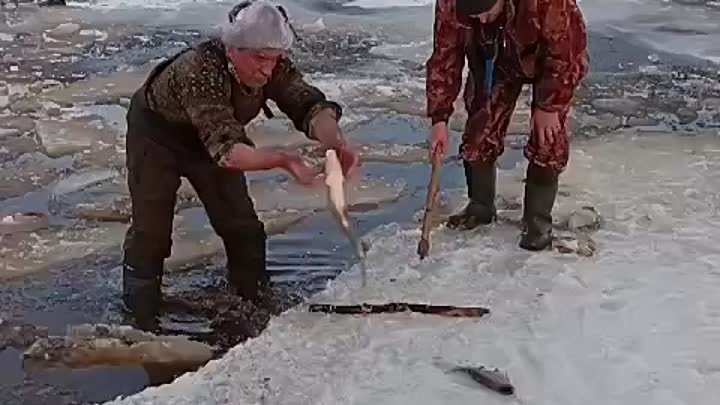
<point>372,63</point>
<point>634,325</point>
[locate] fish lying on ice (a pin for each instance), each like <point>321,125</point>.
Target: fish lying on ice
<point>335,182</point>
<point>394,307</point>
<point>492,379</point>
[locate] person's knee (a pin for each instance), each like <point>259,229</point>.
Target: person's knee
<point>546,164</point>
<point>245,246</point>
<point>146,249</point>
<point>253,230</point>
<point>484,152</point>
<point>248,225</point>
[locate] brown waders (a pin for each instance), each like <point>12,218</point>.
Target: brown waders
<point>159,153</point>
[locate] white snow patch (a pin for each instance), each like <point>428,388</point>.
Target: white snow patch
<point>388,3</point>
<point>417,51</point>
<point>19,89</point>
<point>316,26</point>
<point>100,35</point>
<point>637,324</point>
<point>355,93</point>
<point>121,4</point>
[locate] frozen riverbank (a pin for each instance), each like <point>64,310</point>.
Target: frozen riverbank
<point>62,154</point>
<point>636,324</point>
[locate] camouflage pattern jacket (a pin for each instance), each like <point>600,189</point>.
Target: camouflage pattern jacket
<point>199,89</point>
<point>545,43</point>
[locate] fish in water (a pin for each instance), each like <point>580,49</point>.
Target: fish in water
<point>335,182</point>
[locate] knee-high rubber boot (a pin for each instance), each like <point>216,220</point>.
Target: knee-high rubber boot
<point>480,210</point>
<point>246,266</point>
<point>141,294</point>
<point>541,188</point>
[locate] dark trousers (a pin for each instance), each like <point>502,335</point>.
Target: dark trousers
<point>158,155</point>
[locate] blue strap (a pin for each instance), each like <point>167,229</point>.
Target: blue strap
<point>489,66</point>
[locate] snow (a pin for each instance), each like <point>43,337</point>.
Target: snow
<point>388,4</point>
<point>637,324</point>
<point>179,3</point>
<point>119,4</point>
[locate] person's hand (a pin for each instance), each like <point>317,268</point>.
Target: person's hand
<point>546,126</point>
<point>438,140</point>
<point>324,127</point>
<point>295,165</point>
<point>349,160</point>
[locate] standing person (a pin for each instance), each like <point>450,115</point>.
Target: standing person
<point>508,43</point>
<point>188,119</point>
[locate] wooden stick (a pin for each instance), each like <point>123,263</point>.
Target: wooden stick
<point>394,307</point>
<point>431,201</point>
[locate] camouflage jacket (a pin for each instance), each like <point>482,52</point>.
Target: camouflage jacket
<point>545,43</point>
<point>199,89</point>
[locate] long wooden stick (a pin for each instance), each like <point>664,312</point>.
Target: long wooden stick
<point>393,307</point>
<point>431,201</point>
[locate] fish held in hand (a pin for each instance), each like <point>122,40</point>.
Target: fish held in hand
<point>335,182</point>
<point>431,202</point>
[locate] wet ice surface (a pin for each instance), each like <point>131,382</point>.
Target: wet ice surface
<point>674,26</point>
<point>372,63</point>
<point>636,324</point>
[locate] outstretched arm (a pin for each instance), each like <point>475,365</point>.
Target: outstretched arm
<point>311,112</point>
<point>302,102</point>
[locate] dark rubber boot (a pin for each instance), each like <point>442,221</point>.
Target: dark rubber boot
<point>245,251</point>
<point>480,180</point>
<point>541,188</point>
<point>141,297</point>
<point>247,272</point>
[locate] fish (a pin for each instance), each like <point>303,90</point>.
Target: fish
<point>394,307</point>
<point>336,201</point>
<point>492,379</point>
<point>423,249</point>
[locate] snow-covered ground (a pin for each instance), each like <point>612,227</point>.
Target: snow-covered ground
<point>637,324</point>
<point>385,4</point>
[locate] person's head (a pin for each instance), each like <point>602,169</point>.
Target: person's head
<point>480,11</point>
<point>257,35</point>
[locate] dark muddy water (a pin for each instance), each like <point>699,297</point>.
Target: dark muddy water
<point>301,262</point>
<point>87,290</point>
